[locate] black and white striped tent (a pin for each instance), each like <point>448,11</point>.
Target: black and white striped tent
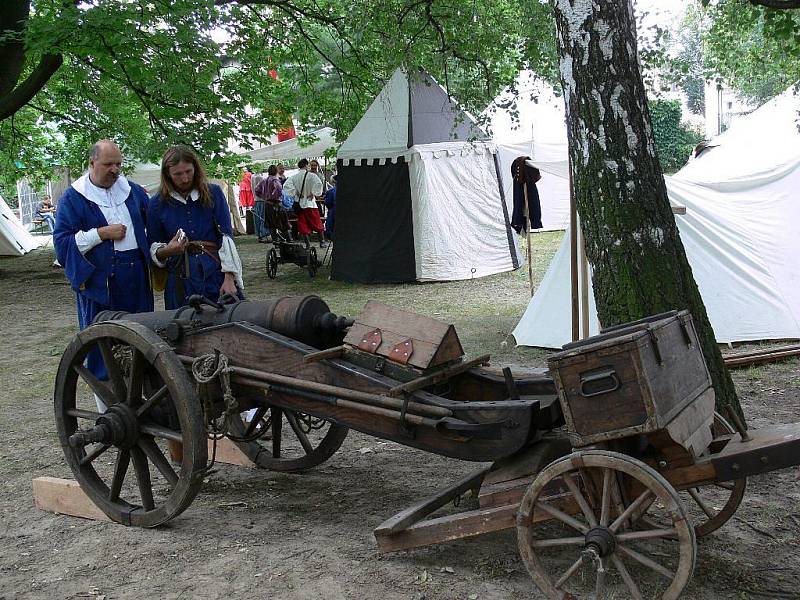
<point>419,194</point>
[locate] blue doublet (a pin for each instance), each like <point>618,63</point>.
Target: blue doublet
<point>103,278</point>
<point>199,223</point>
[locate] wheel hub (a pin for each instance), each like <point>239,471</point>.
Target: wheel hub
<point>599,543</point>
<point>118,426</point>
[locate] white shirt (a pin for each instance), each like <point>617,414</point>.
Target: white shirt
<point>305,196</point>
<point>111,202</point>
<point>228,254</point>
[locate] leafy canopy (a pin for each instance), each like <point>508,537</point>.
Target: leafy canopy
<point>149,73</point>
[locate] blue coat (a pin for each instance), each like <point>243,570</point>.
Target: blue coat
<point>88,274</point>
<point>199,223</point>
<point>330,203</point>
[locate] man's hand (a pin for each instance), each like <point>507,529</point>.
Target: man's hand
<point>112,232</point>
<point>228,285</point>
<point>175,246</point>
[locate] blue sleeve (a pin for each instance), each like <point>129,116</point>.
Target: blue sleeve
<point>330,197</point>
<point>155,226</point>
<point>68,222</point>
<point>221,212</point>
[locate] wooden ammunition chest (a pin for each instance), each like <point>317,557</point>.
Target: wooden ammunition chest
<point>635,378</point>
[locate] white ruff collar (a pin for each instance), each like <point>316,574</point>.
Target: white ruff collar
<point>113,196</point>
<point>193,196</point>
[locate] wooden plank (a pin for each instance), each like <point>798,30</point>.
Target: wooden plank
<point>65,497</point>
<point>466,524</point>
<point>228,453</point>
<point>451,527</point>
<point>757,357</point>
<point>422,509</point>
<point>335,352</point>
<point>438,377</point>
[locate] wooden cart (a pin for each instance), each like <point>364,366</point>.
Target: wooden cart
<point>608,470</point>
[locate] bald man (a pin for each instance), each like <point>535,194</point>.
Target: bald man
<point>100,240</point>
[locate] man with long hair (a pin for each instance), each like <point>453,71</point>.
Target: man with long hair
<point>189,231</point>
<point>100,240</point>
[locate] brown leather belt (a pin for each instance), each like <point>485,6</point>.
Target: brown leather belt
<point>203,247</point>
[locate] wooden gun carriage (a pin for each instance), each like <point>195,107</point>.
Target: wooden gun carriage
<point>608,469</point>
<point>302,254</point>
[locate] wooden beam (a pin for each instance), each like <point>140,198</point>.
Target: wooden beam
<point>65,497</point>
<point>229,454</point>
<point>449,528</point>
<point>423,508</point>
<point>757,357</point>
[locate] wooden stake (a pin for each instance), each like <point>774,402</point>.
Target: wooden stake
<point>573,256</point>
<point>584,287</point>
<point>528,228</point>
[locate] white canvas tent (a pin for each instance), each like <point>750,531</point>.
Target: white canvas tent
<point>419,192</point>
<point>292,149</point>
<point>539,131</point>
<point>741,232</point>
<point>14,238</point>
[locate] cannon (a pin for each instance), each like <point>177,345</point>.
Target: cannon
<point>303,254</point>
<point>610,464</point>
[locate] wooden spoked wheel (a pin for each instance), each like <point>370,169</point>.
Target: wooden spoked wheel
<point>581,535</point>
<point>313,263</point>
<point>272,263</point>
<point>711,506</point>
<point>119,457</point>
<point>285,440</point>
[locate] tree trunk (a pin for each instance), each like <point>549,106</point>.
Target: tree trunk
<point>13,17</point>
<point>632,242</point>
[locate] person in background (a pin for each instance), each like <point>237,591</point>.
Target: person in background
<point>263,232</point>
<point>305,187</point>
<point>272,192</point>
<point>46,212</point>
<point>330,205</point>
<point>313,167</point>
<point>246,199</point>
<point>100,240</point>
<point>281,174</point>
<point>189,231</point>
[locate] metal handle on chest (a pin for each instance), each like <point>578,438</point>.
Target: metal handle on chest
<point>599,381</point>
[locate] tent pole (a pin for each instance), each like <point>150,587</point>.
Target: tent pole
<point>573,256</point>
<point>584,286</point>
<point>528,231</point>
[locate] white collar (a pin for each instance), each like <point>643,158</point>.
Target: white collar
<point>193,195</point>
<point>105,197</point>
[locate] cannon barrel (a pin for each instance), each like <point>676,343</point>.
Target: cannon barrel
<point>307,319</point>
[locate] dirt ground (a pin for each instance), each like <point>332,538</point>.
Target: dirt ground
<point>256,534</point>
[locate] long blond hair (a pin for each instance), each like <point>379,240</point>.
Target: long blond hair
<point>178,154</point>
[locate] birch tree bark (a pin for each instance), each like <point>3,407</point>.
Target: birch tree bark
<point>632,242</point>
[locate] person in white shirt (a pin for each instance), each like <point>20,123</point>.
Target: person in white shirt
<point>100,240</point>
<point>304,188</point>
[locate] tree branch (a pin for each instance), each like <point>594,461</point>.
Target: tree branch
<point>25,91</point>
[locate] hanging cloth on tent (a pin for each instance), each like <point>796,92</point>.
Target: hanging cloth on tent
<point>524,174</point>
